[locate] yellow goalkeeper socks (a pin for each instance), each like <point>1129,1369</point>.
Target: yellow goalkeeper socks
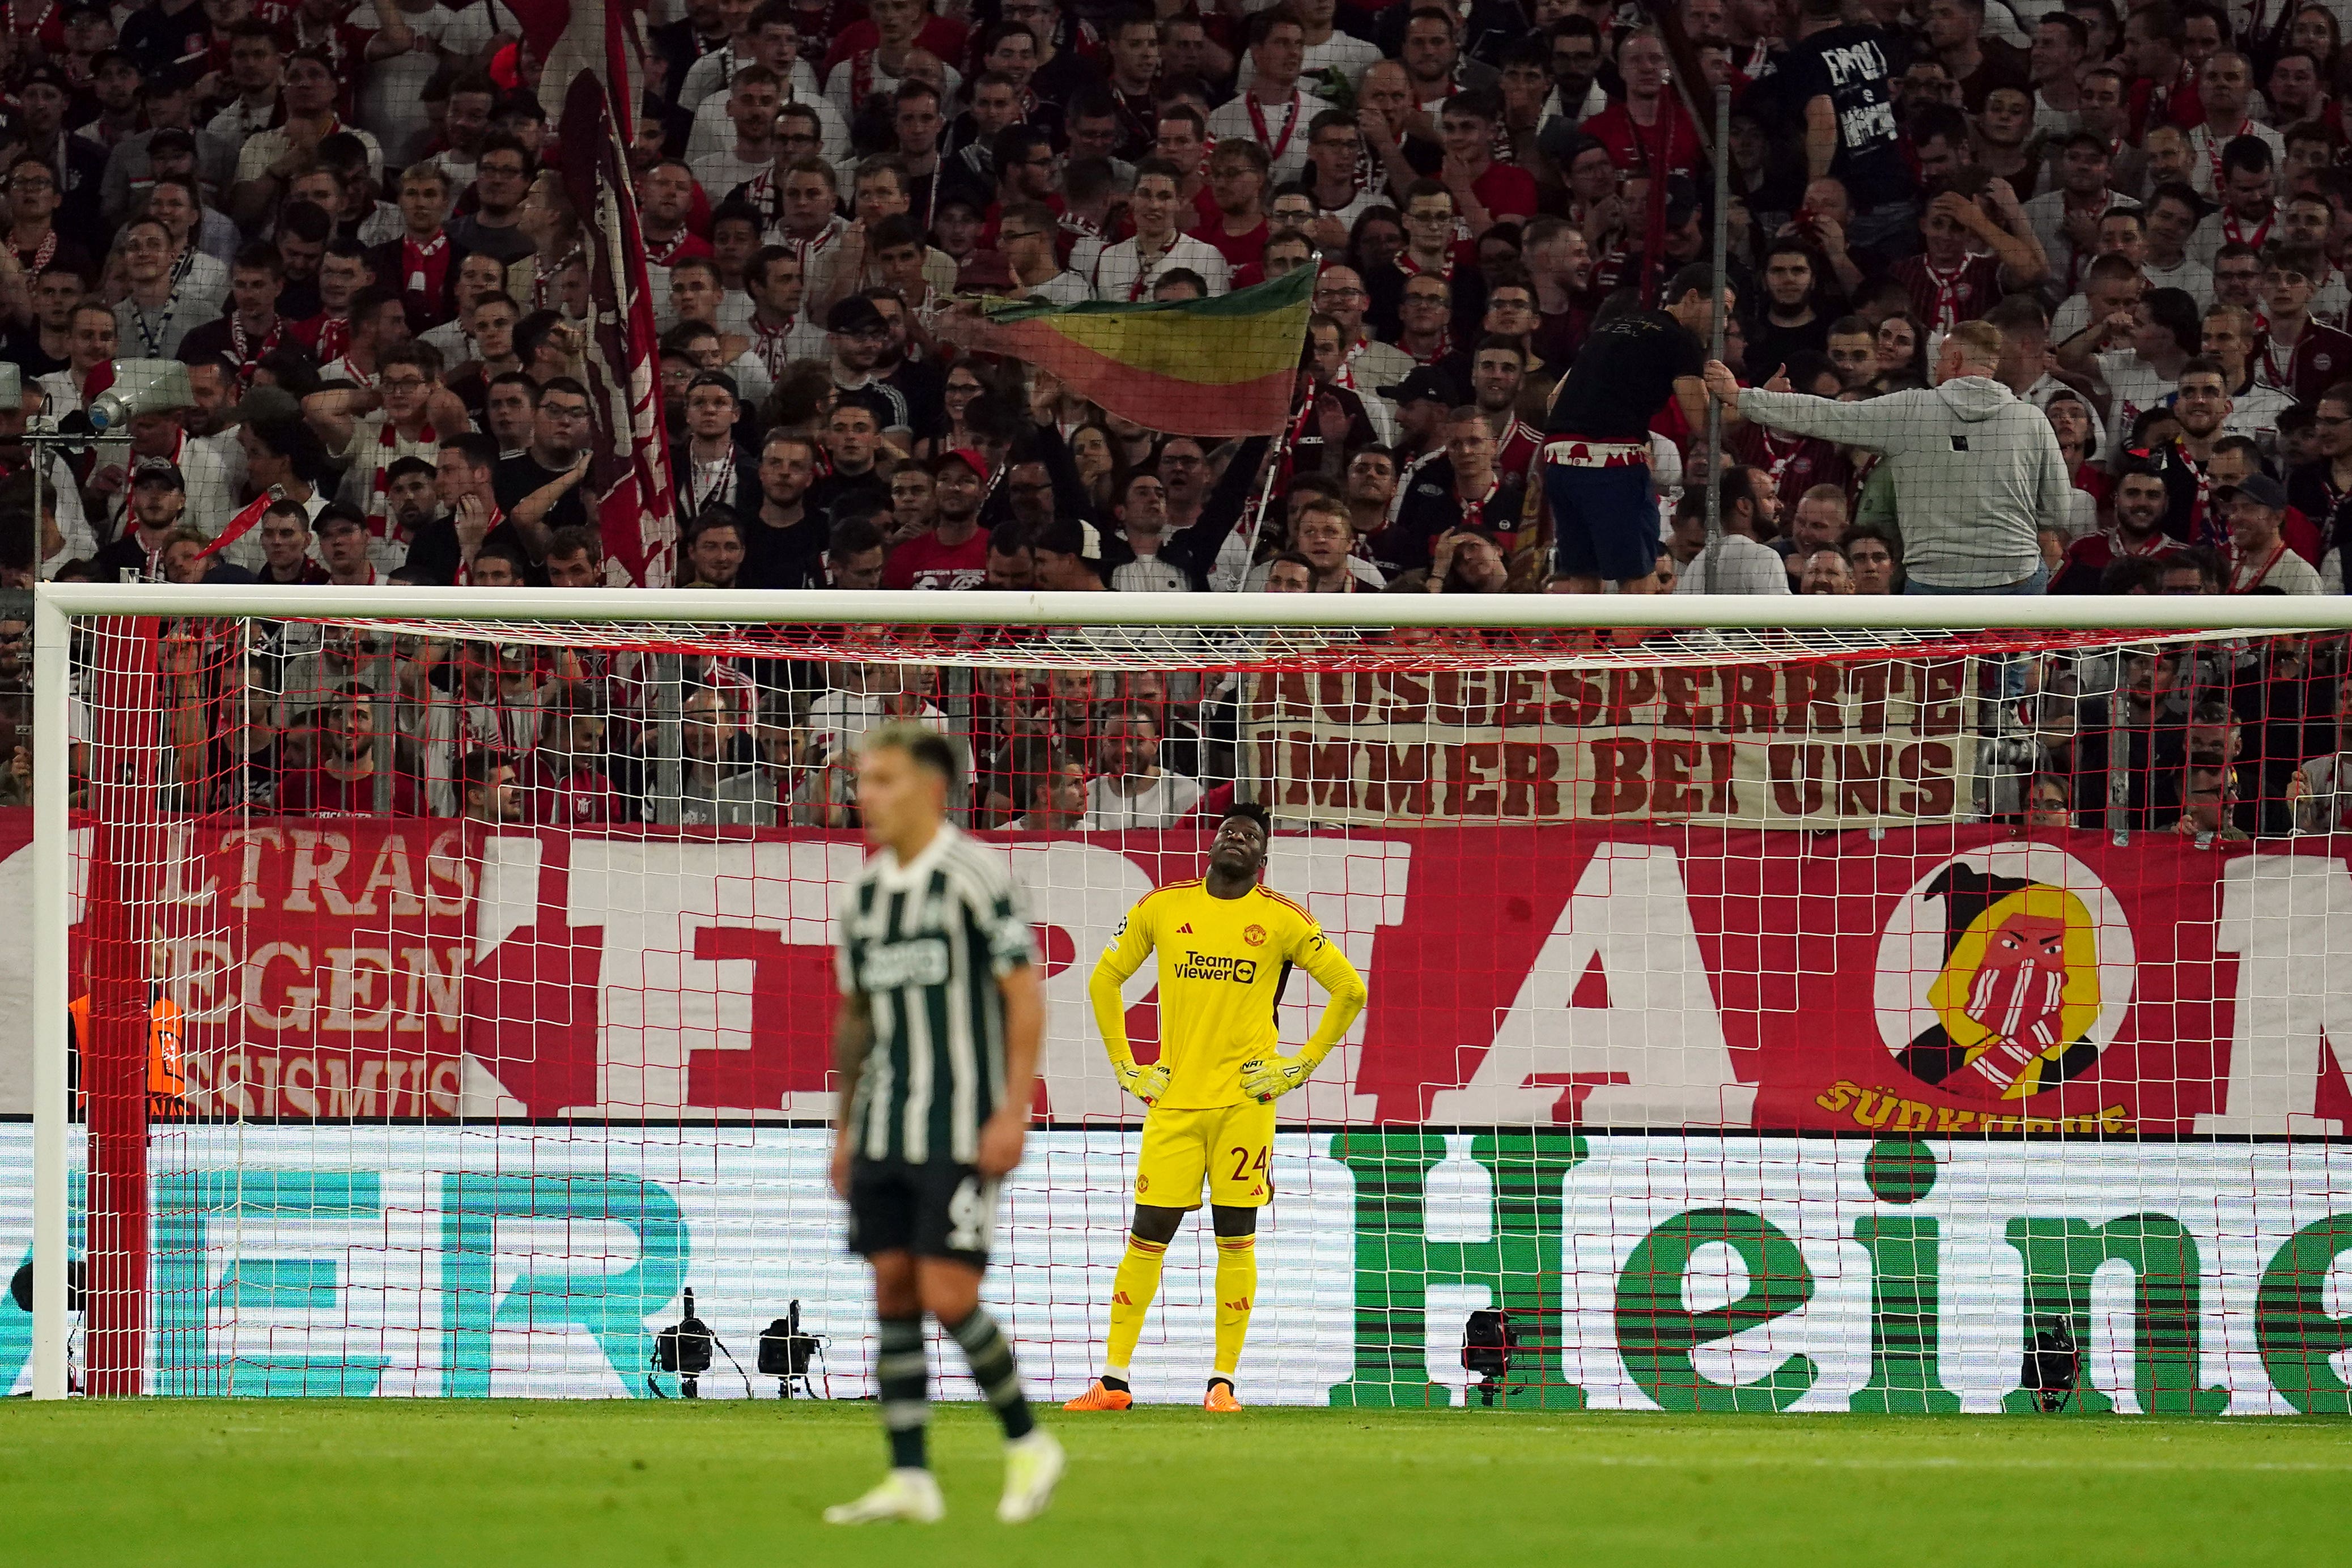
<point>1237,1293</point>
<point>1132,1288</point>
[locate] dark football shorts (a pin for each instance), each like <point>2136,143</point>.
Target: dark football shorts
<point>935,1209</point>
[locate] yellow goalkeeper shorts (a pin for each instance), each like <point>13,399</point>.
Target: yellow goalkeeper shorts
<point>1229,1147</point>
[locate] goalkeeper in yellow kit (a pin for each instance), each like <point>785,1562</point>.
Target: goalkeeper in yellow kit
<point>1226,947</point>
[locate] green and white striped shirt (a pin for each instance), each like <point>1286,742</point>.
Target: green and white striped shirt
<point>926,943</point>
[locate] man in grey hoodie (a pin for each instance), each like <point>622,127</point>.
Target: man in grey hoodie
<point>1977,469</point>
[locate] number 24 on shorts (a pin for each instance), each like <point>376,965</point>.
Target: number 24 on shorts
<point>1248,1163</point>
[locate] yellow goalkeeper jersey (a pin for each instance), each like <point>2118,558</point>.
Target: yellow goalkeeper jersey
<point>1222,964</point>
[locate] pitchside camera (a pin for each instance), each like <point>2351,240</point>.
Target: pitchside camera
<point>684,1348</point>
<point>785,1353</point>
<point>1487,1341</point>
<point>77,1281</point>
<point>2052,1367</point>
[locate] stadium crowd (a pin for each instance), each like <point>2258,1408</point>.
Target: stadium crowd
<point>340,220</point>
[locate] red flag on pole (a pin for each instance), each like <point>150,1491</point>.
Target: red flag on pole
<point>589,85</point>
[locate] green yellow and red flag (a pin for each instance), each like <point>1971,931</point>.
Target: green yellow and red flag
<point>1217,367</point>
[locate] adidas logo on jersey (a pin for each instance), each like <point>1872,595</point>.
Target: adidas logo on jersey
<point>1186,929</point>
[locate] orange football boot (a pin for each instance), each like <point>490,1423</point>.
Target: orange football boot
<point>1097,1398</point>
<point>1221,1397</point>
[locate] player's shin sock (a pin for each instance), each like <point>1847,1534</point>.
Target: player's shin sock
<point>1237,1293</point>
<point>902,1380</point>
<point>1131,1290</point>
<point>990,1355</point>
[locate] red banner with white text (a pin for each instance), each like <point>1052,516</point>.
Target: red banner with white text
<point>1939,980</point>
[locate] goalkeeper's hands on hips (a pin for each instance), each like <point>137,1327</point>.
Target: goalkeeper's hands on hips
<point>1149,1084</point>
<point>1272,1080</point>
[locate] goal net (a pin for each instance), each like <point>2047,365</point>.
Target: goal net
<point>1872,1010</point>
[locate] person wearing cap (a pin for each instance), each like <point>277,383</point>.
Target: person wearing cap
<point>1059,547</point>
<point>953,552</point>
<point>709,468</point>
<point>2258,555</point>
<point>1422,400</point>
<point>157,431</point>
<point>344,546</point>
<point>44,93</point>
<point>1596,458</point>
<point>159,501</point>
<point>170,144</point>
<point>859,335</point>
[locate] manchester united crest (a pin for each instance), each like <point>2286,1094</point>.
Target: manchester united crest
<point>2003,973</point>
<point>1253,934</point>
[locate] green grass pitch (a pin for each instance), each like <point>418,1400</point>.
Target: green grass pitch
<point>329,1484</point>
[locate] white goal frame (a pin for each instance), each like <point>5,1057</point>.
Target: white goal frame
<point>55,605</point>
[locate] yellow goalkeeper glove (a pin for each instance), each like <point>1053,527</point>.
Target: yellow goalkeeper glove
<point>1149,1084</point>
<point>1272,1080</point>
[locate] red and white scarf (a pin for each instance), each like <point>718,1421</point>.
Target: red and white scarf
<point>244,523</point>
<point>808,250</point>
<point>388,447</point>
<point>1779,451</point>
<point>1947,286</point>
<point>771,348</point>
<point>334,339</point>
<point>41,253</point>
<point>248,354</point>
<point>1292,113</point>
<point>2235,235</point>
<point>664,254</point>
<point>1144,269</point>
<point>542,283</point>
<point>1477,508</point>
<point>2213,144</point>
<point>423,267</point>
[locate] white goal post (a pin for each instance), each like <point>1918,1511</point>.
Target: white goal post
<point>1172,630</point>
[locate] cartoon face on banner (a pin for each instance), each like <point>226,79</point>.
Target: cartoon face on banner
<point>2003,973</point>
